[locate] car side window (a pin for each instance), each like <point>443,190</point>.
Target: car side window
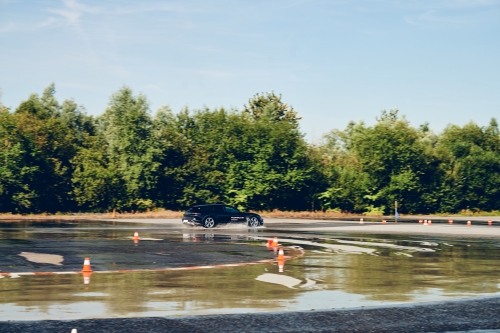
<point>219,209</point>
<point>230,209</point>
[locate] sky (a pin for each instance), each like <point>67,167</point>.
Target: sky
<point>334,61</point>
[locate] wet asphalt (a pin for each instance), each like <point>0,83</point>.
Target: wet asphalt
<point>462,315</point>
<point>436,317</point>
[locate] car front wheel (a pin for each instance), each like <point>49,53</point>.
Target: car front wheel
<point>253,221</point>
<point>208,222</point>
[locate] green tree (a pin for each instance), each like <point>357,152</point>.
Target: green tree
<point>20,173</point>
<point>43,122</point>
<point>470,158</point>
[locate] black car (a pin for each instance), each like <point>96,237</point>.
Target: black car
<point>209,216</point>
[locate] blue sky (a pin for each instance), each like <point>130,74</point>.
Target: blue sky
<point>333,61</point>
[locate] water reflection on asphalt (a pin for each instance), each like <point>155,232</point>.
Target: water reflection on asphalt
<point>337,271</point>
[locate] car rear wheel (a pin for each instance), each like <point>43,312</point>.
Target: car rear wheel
<point>253,221</point>
<point>208,222</point>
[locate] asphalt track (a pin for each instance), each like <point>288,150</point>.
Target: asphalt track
<point>461,315</point>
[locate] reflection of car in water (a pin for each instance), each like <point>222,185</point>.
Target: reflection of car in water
<point>209,216</point>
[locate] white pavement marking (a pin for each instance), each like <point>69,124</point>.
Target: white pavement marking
<point>281,279</point>
<point>43,258</point>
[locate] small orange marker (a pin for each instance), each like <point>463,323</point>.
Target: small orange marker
<point>429,222</point>
<point>490,222</point>
<point>361,221</point>
<point>469,223</point>
<point>420,221</point>
<point>86,265</point>
<point>450,221</point>
<point>136,236</point>
<point>275,242</point>
<point>384,221</point>
<point>269,243</point>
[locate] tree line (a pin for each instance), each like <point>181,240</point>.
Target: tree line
<point>56,158</point>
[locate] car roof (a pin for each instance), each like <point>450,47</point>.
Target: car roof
<point>209,205</point>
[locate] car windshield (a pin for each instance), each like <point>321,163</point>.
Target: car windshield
<point>230,209</point>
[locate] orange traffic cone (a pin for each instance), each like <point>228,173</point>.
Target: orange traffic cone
<point>384,221</point>
<point>361,221</point>
<point>86,265</point>
<point>269,243</point>
<point>136,236</point>
<point>429,222</point>
<point>490,222</point>
<point>86,277</point>
<point>469,223</point>
<point>281,254</point>
<point>425,222</point>
<point>281,265</point>
<point>450,221</point>
<point>420,221</point>
<point>275,242</point>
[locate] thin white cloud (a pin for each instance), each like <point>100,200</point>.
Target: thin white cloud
<point>15,26</point>
<point>73,11</point>
<point>433,16</point>
<point>151,7</point>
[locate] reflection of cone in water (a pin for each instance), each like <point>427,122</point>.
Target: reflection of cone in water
<point>86,265</point>
<point>281,254</point>
<point>281,265</point>
<point>469,223</point>
<point>136,237</point>
<point>86,277</point>
<point>275,242</point>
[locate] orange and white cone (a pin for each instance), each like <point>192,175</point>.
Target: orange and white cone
<point>86,265</point>
<point>425,222</point>
<point>281,265</point>
<point>384,221</point>
<point>429,222</point>
<point>420,221</point>
<point>275,242</point>
<point>450,221</point>
<point>490,222</point>
<point>136,236</point>
<point>361,221</point>
<point>469,223</point>
<point>269,243</point>
<point>281,254</point>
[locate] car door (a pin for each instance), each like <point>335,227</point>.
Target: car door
<point>221,216</point>
<point>235,215</point>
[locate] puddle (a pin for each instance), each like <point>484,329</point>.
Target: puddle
<point>337,271</point>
